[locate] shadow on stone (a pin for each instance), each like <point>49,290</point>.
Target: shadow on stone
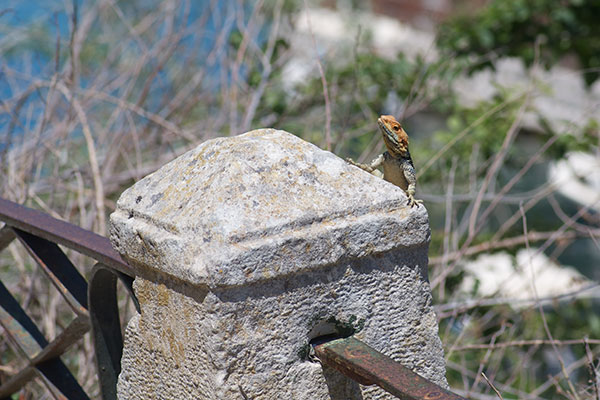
<point>341,387</point>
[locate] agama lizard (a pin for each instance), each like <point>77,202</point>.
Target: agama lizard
<point>398,167</point>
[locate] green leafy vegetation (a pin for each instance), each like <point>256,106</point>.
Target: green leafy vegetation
<point>513,27</point>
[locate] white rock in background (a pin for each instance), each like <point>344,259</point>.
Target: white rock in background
<point>528,275</point>
<point>559,95</point>
<point>578,178</point>
<point>336,34</point>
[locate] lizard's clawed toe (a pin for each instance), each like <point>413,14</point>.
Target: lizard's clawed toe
<point>414,202</point>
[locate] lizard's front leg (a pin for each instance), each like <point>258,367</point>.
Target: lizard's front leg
<point>410,192</point>
<point>371,168</point>
<point>411,178</point>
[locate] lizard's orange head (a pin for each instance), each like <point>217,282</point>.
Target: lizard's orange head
<point>395,138</point>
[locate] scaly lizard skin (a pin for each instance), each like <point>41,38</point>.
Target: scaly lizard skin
<point>397,165</point>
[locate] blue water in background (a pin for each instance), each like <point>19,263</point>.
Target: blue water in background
<point>19,16</point>
<point>19,12</point>
<point>16,17</point>
<point>52,19</point>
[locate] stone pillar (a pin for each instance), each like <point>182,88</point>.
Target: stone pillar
<point>248,247</point>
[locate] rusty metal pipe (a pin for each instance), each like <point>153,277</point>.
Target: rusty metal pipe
<point>367,366</point>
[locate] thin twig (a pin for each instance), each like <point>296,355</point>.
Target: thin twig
<point>498,161</point>
<point>524,343</point>
<point>543,314</point>
<point>487,356</point>
<point>566,225</point>
<point>448,220</point>
<point>235,72</point>
<point>509,243</point>
<point>91,147</point>
<point>547,190</point>
<point>471,375</point>
<point>464,132</point>
<point>516,178</point>
<point>581,362</point>
<point>491,385</point>
<point>323,82</point>
<point>455,308</point>
<point>592,368</point>
<point>267,68</point>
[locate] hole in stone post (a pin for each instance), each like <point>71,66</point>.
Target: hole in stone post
<point>329,329</point>
<point>334,328</point>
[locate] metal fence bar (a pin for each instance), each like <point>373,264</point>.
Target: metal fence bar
<point>74,332</point>
<point>14,320</point>
<point>106,325</point>
<point>7,235</point>
<point>367,366</point>
<point>41,355</point>
<point>60,232</point>
<point>59,269</point>
<point>40,233</point>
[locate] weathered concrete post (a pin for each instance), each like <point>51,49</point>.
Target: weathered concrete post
<point>247,248</point>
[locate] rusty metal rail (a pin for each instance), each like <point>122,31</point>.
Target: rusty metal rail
<point>95,306</point>
<point>367,366</point>
<point>60,232</point>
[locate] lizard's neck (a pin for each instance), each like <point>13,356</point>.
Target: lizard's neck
<point>395,143</point>
<point>398,149</point>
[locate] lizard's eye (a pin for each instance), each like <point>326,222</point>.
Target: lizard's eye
<point>396,128</point>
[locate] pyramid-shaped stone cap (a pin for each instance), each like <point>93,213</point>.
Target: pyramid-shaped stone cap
<point>258,206</point>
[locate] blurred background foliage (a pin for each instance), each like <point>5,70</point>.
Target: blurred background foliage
<point>509,28</point>
<point>156,78</point>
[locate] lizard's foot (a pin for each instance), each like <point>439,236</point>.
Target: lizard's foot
<point>365,167</point>
<point>412,201</point>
